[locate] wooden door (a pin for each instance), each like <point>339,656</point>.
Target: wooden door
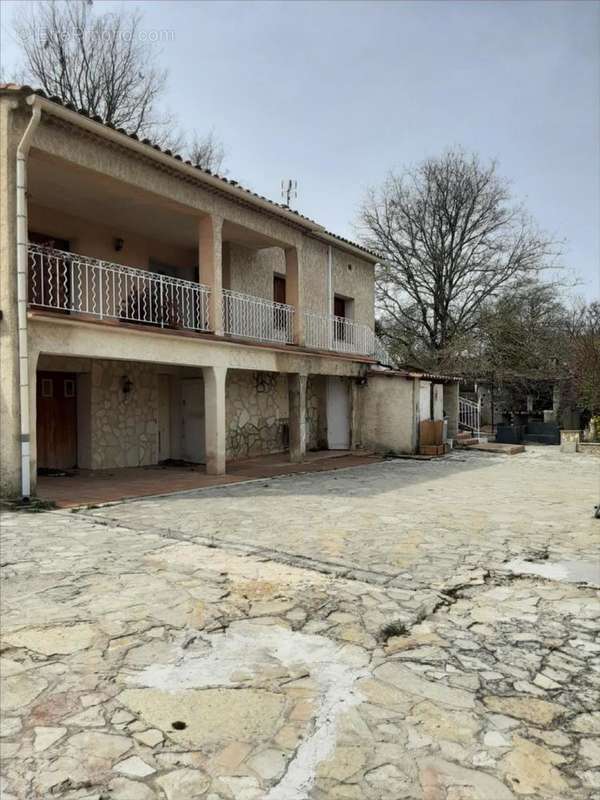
<point>279,289</point>
<point>56,420</point>
<point>339,310</point>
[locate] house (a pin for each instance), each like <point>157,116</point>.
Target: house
<point>152,310</point>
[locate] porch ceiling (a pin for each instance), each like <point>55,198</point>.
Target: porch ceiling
<point>79,192</point>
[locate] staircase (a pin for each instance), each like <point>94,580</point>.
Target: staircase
<point>464,439</point>
<point>469,414</point>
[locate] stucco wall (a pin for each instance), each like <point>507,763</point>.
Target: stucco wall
<point>386,418</point>
<point>91,238</point>
<point>314,280</point>
<point>244,271</point>
<point>10,465</point>
<point>353,277</point>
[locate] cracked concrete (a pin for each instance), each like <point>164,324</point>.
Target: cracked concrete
<point>352,635</point>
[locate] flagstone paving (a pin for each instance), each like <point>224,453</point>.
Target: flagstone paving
<point>369,633</point>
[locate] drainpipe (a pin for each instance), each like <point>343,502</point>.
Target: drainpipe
<point>22,263</point>
<point>330,294</point>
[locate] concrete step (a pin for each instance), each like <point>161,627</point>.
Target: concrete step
<point>498,447</point>
<point>465,442</point>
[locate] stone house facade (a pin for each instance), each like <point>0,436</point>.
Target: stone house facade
<point>152,310</point>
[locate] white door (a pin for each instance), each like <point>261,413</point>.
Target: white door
<point>164,418</point>
<point>192,420</point>
<point>338,414</point>
<point>425,401</point>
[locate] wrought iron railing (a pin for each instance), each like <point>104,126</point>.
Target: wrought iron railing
<point>469,414</point>
<point>256,318</point>
<point>72,283</point>
<point>342,335</point>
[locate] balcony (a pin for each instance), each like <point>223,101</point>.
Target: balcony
<point>255,318</point>
<point>341,335</point>
<point>69,283</point>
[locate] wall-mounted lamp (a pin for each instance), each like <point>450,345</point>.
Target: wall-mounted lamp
<point>362,380</point>
<point>118,243</point>
<point>126,384</point>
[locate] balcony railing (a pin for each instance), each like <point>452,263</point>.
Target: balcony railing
<point>326,332</point>
<point>255,318</point>
<point>73,283</point>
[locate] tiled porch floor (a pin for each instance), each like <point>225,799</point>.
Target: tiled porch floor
<point>88,487</point>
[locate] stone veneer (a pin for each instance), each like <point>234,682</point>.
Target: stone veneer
<point>257,413</point>
<point>124,425</point>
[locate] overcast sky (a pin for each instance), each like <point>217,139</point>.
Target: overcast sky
<point>335,94</point>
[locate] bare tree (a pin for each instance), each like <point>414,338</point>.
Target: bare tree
<point>207,151</point>
<point>584,356</point>
<point>102,63</point>
<point>105,64</point>
<point>449,238</point>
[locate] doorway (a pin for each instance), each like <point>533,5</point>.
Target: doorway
<point>56,420</point>
<point>338,414</point>
<point>192,420</point>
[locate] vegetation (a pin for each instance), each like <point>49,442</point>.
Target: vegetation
<point>106,64</point>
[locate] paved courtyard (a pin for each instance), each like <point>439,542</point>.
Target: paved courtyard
<point>409,629</point>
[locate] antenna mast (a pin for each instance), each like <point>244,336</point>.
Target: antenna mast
<point>289,191</point>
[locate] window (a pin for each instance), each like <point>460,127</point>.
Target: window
<point>47,387</point>
<point>69,387</point>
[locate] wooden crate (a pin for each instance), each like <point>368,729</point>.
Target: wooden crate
<point>432,449</point>
<point>431,432</point>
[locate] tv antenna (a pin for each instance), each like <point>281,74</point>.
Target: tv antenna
<point>289,191</point>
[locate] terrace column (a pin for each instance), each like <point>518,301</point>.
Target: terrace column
<point>215,419</point>
<point>293,287</point>
<point>210,245</point>
<point>297,415</point>
<point>451,392</point>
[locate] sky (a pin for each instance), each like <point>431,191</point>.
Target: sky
<point>337,94</point>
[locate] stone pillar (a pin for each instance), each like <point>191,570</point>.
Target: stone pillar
<point>416,414</point>
<point>293,288</point>
<point>451,391</point>
<point>210,273</point>
<point>297,415</point>
<point>215,419</point>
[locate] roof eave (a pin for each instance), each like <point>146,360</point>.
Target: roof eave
<point>213,182</point>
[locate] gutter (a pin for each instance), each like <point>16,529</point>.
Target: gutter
<point>22,262</point>
<point>168,161</point>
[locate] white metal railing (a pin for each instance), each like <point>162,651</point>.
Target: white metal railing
<point>256,318</point>
<point>469,414</point>
<point>381,353</point>
<point>69,282</point>
<point>342,335</point>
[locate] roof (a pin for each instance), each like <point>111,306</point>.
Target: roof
<point>388,372</point>
<point>316,229</point>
